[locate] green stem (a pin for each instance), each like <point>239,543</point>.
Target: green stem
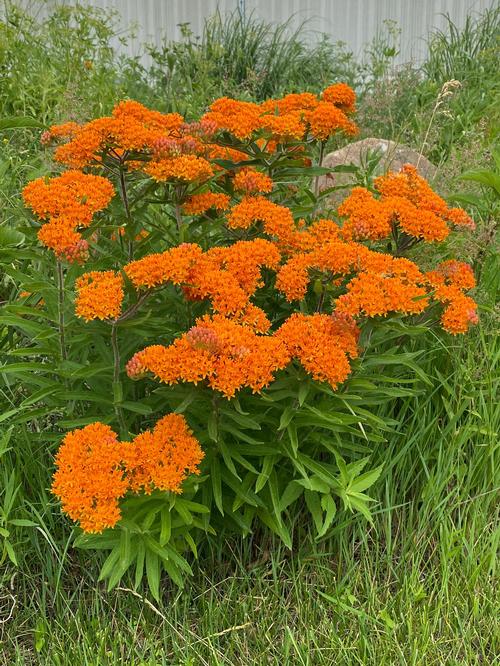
<point>117,386</point>
<point>123,191</point>
<point>320,163</point>
<point>60,289</point>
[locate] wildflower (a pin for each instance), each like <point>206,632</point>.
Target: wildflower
<point>407,201</point>
<point>184,167</point>
<point>163,457</point>
<point>68,202</point>
<point>250,180</point>
<point>239,118</point>
<point>171,266</point>
<point>99,295</point>
<point>285,127</point>
<point>200,203</point>
<point>94,470</point>
<point>326,119</point>
<point>234,356</point>
<point>89,478</point>
<point>321,345</point>
<point>277,220</point>
<point>131,127</point>
<point>340,95</point>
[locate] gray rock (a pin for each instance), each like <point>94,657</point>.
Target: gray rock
<point>393,157</point>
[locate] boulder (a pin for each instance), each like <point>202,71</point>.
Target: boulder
<point>393,157</point>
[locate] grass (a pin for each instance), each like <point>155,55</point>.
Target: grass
<point>415,588</point>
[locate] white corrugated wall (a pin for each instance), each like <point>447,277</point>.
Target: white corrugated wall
<point>355,22</point>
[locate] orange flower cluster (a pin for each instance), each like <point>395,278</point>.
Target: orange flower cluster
<point>289,118</point>
<point>188,168</point>
<point>99,295</point>
<point>89,478</point>
<point>227,276</point>
<point>277,220</point>
<point>250,180</point>
<point>131,127</point>
<point>375,283</point>
<point>230,355</point>
<point>200,203</point>
<point>94,470</point>
<point>68,202</point>
<point>406,200</point>
<point>161,458</point>
<point>322,343</point>
<point>227,354</point>
<point>449,281</point>
<point>342,96</point>
<point>326,119</point>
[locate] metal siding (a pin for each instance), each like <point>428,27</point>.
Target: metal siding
<point>355,22</point>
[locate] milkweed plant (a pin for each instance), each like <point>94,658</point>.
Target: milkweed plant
<point>212,330</point>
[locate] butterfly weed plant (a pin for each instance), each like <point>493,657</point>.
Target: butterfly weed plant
<point>202,336</point>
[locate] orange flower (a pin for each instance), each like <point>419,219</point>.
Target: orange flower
<point>231,357</point>
<point>335,258</point>
<point>277,220</point>
<point>322,343</point>
<point>341,95</point>
<point>238,118</point>
<point>285,127</point>
<point>99,295</point>
<point>162,458</point>
<point>171,266</point>
<point>200,203</point>
<point>250,180</point>
<point>69,202</point>
<point>89,478</point>
<point>326,119</point>
<point>131,127</point>
<point>406,200</point>
<point>373,294</point>
<point>185,167</point>
<point>366,216</point>
<point>73,194</point>
<point>449,281</point>
<point>94,470</point>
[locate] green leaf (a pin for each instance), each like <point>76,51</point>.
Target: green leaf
<point>165,526</point>
<point>110,563</point>
<point>330,508</point>
<point>212,427</point>
<point>173,572</point>
<point>313,503</point>
<point>241,419</point>
<point>10,236</point>
<point>153,573</point>
<point>291,493</point>
<point>286,417</point>
<point>135,407</point>
<point>139,563</point>
<point>10,552</point>
<point>215,476</point>
<point>276,526</point>
<point>19,122</point>
<point>267,467</point>
<point>292,436</point>
<point>365,480</point>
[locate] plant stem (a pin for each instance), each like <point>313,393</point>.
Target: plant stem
<point>117,387</point>
<point>320,163</point>
<point>60,289</point>
<point>123,191</point>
